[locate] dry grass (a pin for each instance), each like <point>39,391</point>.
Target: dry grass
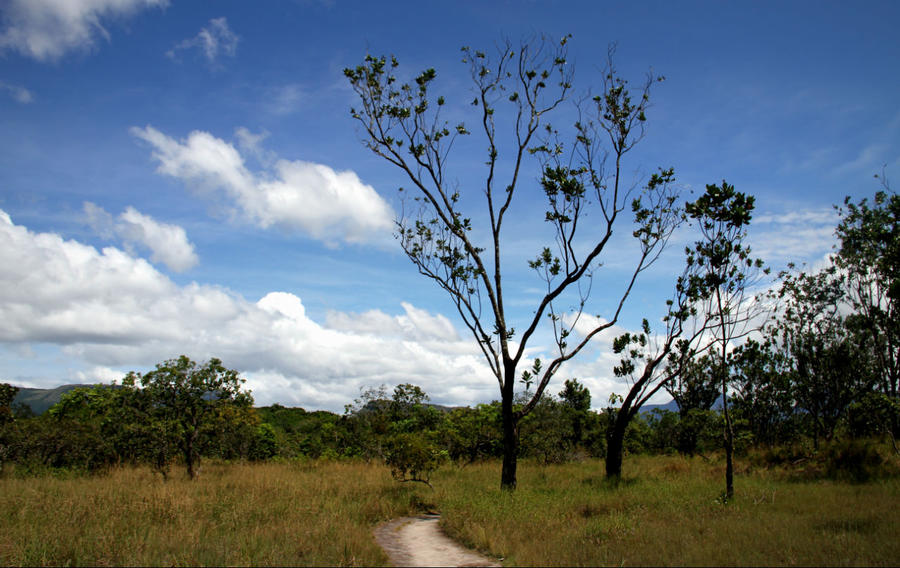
<point>266,514</point>
<point>666,512</point>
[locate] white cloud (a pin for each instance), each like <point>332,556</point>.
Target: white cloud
<point>19,94</point>
<point>416,324</point>
<point>47,29</point>
<point>214,40</point>
<point>99,375</point>
<point>251,144</point>
<point>167,243</point>
<point>795,236</point>
<point>298,195</point>
<point>109,310</point>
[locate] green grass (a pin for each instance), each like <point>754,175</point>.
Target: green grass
<point>665,511</point>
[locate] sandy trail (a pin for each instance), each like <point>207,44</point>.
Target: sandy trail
<point>418,541</point>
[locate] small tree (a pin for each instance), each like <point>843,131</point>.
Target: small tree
<point>579,175</point>
<point>186,400</point>
<point>412,451</point>
<point>726,272</point>
<point>576,400</point>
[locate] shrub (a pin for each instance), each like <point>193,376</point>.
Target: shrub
<point>412,457</point>
<point>854,460</point>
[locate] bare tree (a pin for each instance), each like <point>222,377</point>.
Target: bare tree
<point>581,174</point>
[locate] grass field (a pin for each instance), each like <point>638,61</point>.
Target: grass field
<point>665,512</point>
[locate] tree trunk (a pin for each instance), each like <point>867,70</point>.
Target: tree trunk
<point>615,446</point>
<point>190,455</point>
<point>510,430</point>
<point>729,447</point>
<point>510,444</point>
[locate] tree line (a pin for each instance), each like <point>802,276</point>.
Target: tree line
<point>819,368</point>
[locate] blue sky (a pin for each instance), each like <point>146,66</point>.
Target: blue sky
<point>184,177</point>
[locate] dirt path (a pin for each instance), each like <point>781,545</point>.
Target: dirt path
<point>418,541</point>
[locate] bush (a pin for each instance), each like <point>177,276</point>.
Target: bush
<point>854,460</point>
<point>875,413</point>
<point>412,457</point>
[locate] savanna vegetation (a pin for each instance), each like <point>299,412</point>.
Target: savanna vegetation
<point>790,395</point>
<point>322,512</point>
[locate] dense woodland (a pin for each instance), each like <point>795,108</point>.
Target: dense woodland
<point>816,383</point>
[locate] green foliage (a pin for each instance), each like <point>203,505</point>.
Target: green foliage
<point>46,444</point>
<point>308,434</point>
<point>695,386</point>
<point>473,434</point>
<point>7,394</point>
<point>197,410</point>
<point>402,432</point>
<point>869,263</point>
<point>189,404</point>
<point>764,392</point>
<point>548,433</point>
<point>853,460</point>
<point>873,414</point>
<point>412,456</point>
<point>264,444</point>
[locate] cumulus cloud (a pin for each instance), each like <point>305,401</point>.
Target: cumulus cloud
<point>47,29</point>
<point>295,195</point>
<point>214,40</point>
<point>110,310</point>
<point>416,324</point>
<point>167,243</point>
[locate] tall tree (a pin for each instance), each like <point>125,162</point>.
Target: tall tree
<point>728,272</point>
<point>869,261</point>
<point>581,174</point>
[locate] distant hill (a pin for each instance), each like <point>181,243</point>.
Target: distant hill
<point>671,405</point>
<point>40,400</point>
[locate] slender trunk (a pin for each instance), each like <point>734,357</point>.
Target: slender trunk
<point>729,441</point>
<point>729,431</point>
<point>510,432</point>
<point>190,456</point>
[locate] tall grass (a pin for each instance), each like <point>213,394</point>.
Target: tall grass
<point>665,512</point>
<point>265,514</point>
<point>668,513</point>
